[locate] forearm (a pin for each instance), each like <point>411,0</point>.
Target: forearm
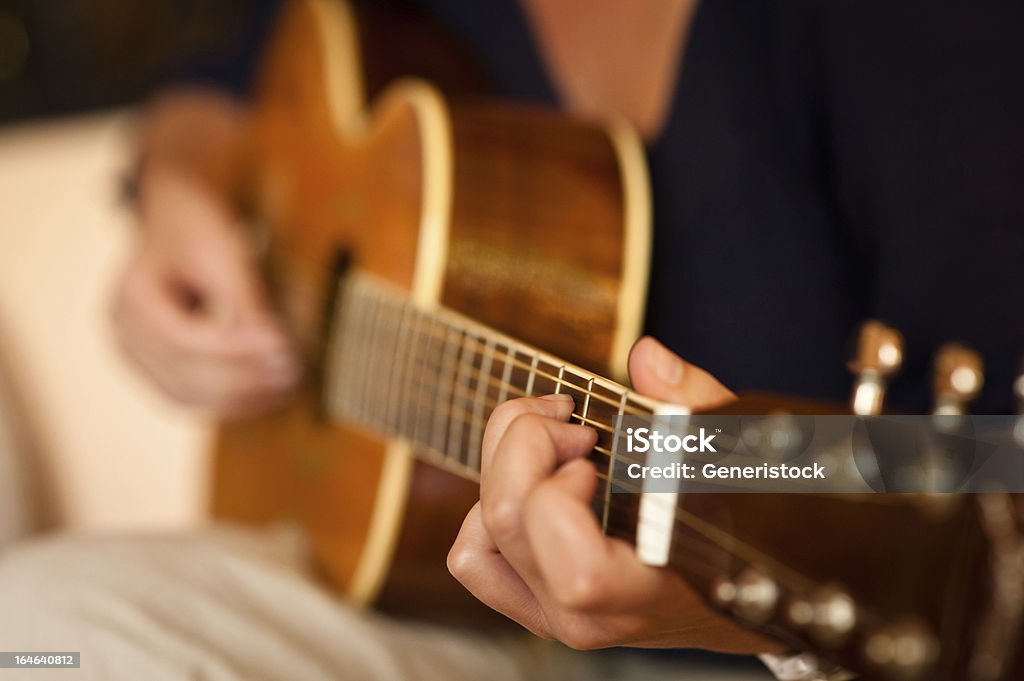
<point>190,134</point>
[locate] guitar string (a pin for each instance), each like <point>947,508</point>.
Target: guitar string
<point>468,392</point>
<point>478,339</point>
<point>429,365</point>
<point>506,356</point>
<point>379,291</point>
<point>724,540</point>
<point>622,457</point>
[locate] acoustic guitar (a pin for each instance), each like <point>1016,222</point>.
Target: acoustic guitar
<point>424,249</point>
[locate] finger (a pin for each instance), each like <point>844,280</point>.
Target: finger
<point>233,390</point>
<point>554,406</point>
<point>657,372</point>
<point>474,560</point>
<point>214,369</point>
<point>583,570</point>
<point>224,268</point>
<point>263,348</point>
<point>532,447</point>
<point>152,304</point>
<point>229,390</point>
<point>207,248</point>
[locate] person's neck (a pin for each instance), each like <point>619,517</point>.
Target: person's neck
<point>613,58</point>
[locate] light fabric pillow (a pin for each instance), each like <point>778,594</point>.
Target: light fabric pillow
<point>17,516</point>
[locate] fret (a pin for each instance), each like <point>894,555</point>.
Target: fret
<point>395,390</point>
<point>425,398</point>
<point>432,377</point>
<point>441,392</point>
<point>388,392</point>
<point>457,423</point>
<point>384,352</point>
<point>370,333</point>
<point>506,374</point>
<point>409,374</point>
<point>477,425</point>
<point>616,438</point>
<point>578,386</point>
<point>586,400</point>
<point>533,375</point>
<point>519,376</point>
<point>452,346</point>
<point>442,416</point>
<point>545,381</point>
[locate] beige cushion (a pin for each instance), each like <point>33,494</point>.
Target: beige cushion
<point>111,453</point>
<point>17,505</point>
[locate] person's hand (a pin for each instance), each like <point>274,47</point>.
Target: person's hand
<point>533,550</point>
<point>190,309</point>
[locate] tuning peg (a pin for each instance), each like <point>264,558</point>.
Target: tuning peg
<point>879,355</point>
<point>903,651</point>
<point>752,596</point>
<point>829,615</point>
<point>959,376</point>
<point>756,596</point>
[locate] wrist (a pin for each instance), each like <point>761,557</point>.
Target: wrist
<point>170,199</point>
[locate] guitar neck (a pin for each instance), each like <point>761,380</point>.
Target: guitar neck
<point>433,377</point>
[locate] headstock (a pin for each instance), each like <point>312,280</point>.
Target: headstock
<point>895,587</point>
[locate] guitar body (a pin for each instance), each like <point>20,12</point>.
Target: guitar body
<point>533,224</point>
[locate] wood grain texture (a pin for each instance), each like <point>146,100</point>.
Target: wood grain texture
<point>533,249</point>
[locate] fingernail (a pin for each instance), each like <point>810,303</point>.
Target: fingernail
<point>556,397</point>
<point>666,365</point>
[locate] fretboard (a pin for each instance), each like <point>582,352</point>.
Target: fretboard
<point>433,377</point>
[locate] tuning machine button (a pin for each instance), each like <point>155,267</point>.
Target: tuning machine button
<point>877,357</point>
<point>723,593</point>
<point>756,596</point>
<point>958,378</point>
<point>903,651</point>
<point>829,616</point>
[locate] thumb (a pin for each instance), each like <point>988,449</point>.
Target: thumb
<point>223,266</point>
<point>657,372</point>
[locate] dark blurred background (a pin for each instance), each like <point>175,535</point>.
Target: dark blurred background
<point>64,56</point>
